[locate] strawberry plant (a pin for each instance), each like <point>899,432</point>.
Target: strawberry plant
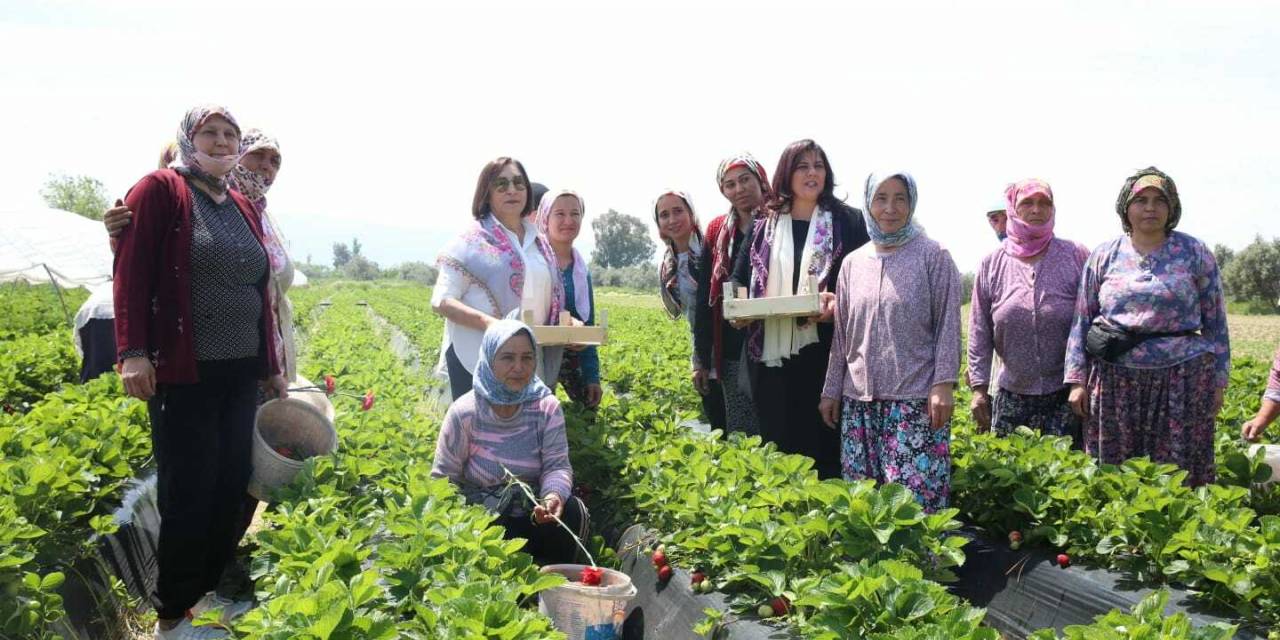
<point>364,543</point>
<point>35,308</point>
<point>34,365</point>
<point>62,468</point>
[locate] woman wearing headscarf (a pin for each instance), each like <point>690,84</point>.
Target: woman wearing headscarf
<point>499,266</point>
<point>718,345</point>
<point>1270,409</point>
<point>511,421</point>
<point>896,358</point>
<point>677,223</point>
<point>195,335</point>
<point>1024,299</point>
<point>805,231</point>
<point>1149,356</point>
<point>253,175</point>
<point>560,220</point>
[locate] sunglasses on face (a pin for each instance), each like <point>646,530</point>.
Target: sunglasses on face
<point>502,184</point>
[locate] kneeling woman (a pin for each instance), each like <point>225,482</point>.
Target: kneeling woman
<point>896,355</point>
<point>511,419</point>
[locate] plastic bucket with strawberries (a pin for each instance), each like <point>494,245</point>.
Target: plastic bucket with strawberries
<point>584,612</point>
<point>285,433</point>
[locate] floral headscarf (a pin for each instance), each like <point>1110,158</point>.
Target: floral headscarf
<point>668,273</point>
<point>250,184</point>
<point>1149,177</point>
<point>1024,240</point>
<point>720,266</point>
<point>188,162</point>
<point>581,290</point>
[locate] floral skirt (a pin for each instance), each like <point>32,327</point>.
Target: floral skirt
<point>1049,414</point>
<point>1165,414</point>
<point>892,441</point>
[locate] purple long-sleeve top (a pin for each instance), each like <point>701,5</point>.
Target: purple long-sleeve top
<point>897,323</point>
<point>1273,382</point>
<point>1175,288</point>
<point>475,443</point>
<point>1023,312</point>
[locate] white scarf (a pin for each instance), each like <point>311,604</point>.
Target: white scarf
<point>782,338</point>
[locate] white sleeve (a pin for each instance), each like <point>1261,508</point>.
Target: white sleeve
<point>448,285</point>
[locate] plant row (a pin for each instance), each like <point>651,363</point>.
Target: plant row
<point>35,308</point>
<point>364,543</point>
<point>1222,541</point>
<point>838,559</point>
<point>62,468</point>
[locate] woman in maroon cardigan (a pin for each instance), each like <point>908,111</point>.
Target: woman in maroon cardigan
<point>194,337</point>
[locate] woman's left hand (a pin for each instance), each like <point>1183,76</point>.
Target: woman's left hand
<point>276,387</point>
<point>594,395</point>
<point>941,404</point>
<point>827,303</point>
<point>549,510</point>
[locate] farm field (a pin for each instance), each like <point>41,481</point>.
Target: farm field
<point>364,544</point>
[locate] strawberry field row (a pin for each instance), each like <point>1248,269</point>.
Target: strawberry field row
<point>365,544</point>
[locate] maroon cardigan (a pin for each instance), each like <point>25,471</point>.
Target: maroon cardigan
<point>153,280</point>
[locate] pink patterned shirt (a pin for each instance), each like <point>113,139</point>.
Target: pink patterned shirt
<point>1023,312</point>
<point>475,443</point>
<point>897,324</point>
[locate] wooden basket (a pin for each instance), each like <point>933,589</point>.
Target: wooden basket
<point>563,334</point>
<point>736,308</point>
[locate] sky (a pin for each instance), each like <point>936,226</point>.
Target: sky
<point>387,111</point>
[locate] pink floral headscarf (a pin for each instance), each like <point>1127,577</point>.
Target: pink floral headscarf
<point>1026,240</point>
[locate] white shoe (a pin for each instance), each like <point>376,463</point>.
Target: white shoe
<point>231,609</point>
<point>185,631</point>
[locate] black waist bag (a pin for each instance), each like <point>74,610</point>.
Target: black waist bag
<point>1109,343</point>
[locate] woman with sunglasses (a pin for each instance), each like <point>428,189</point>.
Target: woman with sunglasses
<point>499,266</point>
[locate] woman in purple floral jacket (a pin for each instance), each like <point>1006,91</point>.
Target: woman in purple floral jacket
<point>1158,389</point>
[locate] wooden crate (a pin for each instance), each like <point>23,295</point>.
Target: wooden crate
<point>736,308</point>
<point>563,334</point>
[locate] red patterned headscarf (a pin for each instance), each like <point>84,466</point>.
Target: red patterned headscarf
<point>720,240</point>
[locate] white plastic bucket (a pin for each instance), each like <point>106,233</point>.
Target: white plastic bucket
<point>1271,456</point>
<point>292,423</point>
<point>587,612</point>
<point>317,399</point>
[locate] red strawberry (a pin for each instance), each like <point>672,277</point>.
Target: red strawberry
<point>781,605</point>
<point>1015,536</point>
<point>697,577</point>
<point>659,558</point>
<point>591,576</point>
<point>367,403</point>
<point>1064,560</point>
<point>330,384</point>
<point>664,573</point>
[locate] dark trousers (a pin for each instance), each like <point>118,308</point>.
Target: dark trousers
<point>459,377</point>
<point>98,341</point>
<point>550,543</point>
<point>201,435</point>
<point>787,399</point>
<point>713,405</point>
